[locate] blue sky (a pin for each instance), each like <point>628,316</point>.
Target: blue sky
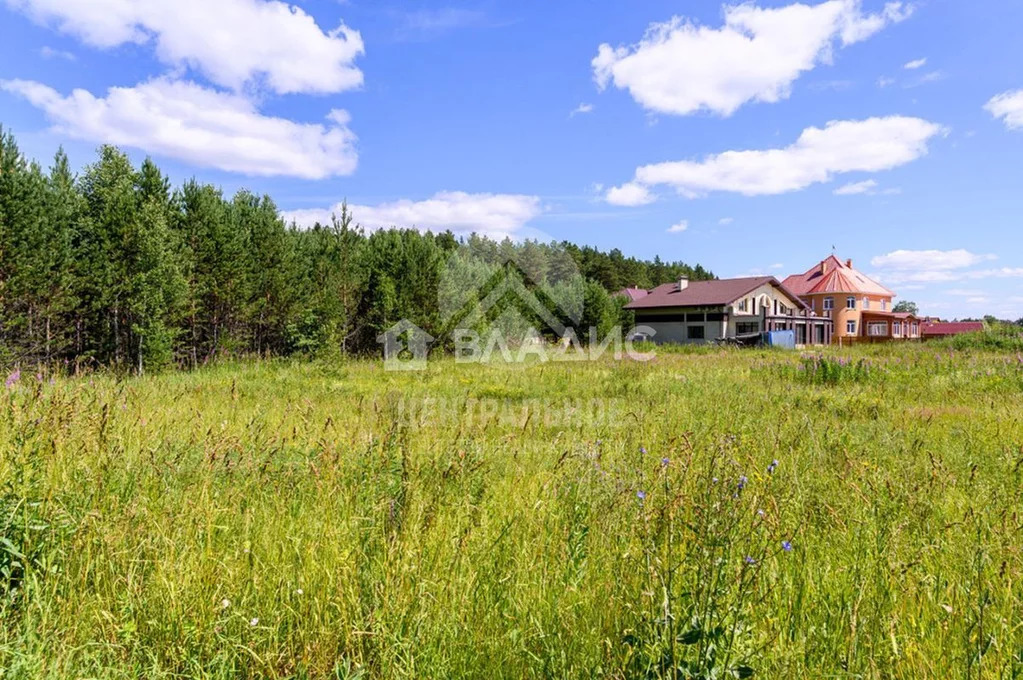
<point>750,139</point>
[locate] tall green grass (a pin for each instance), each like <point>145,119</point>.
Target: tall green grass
<point>605,519</point>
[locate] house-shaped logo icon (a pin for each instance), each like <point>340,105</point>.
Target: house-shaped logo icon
<point>406,346</point>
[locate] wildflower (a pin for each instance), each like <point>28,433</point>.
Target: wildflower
<point>664,462</point>
<point>13,378</point>
<point>786,546</point>
<point>642,449</point>
<point>225,603</point>
<point>772,466</point>
<point>714,480</point>
<point>299,591</point>
<point>749,560</point>
<point>254,622</point>
<point>641,495</point>
<point>742,482</point>
<point>760,512</point>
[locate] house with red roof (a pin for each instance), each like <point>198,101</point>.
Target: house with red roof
<point>942,329</point>
<point>727,309</point>
<point>860,308</point>
<point>632,293</point>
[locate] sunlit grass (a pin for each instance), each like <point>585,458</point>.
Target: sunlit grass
<point>312,520</point>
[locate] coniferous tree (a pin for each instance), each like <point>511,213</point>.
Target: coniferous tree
<point>116,268</point>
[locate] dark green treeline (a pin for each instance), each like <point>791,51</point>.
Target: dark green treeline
<point>114,267</point>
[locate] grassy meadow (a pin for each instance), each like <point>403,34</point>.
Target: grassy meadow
<point>710,514</point>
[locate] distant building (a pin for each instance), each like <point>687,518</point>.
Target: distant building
<point>634,293</point>
<point>727,309</point>
<point>860,307</point>
<point>938,329</point>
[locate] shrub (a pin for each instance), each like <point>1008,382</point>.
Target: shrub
<point>821,370</point>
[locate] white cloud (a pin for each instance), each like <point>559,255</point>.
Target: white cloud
<point>231,42</point>
<point>424,24</point>
<point>885,82</point>
<point>679,67</point>
<point>817,156</point>
<point>915,64</point>
<point>679,227</point>
<point>725,221</point>
<point>204,127</point>
<point>630,194</point>
<point>582,108</point>
<point>1009,107</point>
<point>864,187</point>
<point>929,260</point>
<point>47,52</point>
<point>496,215</point>
<point>939,266</point>
<point>867,187</point>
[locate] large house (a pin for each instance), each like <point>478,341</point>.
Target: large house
<point>723,309</point>
<point>860,307</point>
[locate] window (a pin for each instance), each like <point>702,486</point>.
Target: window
<point>829,303</point>
<point>747,327</point>
<point>884,305</point>
<point>850,302</point>
<point>866,303</point>
<point>915,331</point>
<point>743,305</point>
<point>875,328</point>
<point>850,327</point>
<point>897,328</point>
<point>695,332</point>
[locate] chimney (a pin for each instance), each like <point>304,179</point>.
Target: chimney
<point>848,263</point>
<point>824,267</point>
<point>683,282</point>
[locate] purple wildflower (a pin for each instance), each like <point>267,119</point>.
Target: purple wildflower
<point>749,560</point>
<point>786,546</point>
<point>13,378</point>
<point>642,449</point>
<point>664,462</point>
<point>742,482</point>
<point>641,495</point>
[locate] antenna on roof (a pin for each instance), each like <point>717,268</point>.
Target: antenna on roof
<point>832,249</point>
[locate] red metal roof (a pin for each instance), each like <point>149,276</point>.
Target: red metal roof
<point>633,293</point>
<point>831,275</point>
<point>952,327</point>
<point>706,293</point>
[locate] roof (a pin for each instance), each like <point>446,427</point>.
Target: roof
<point>952,327</point>
<point>831,275</point>
<point>718,292</point>
<point>633,293</point>
<point>894,315</point>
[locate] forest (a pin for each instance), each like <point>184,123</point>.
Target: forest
<point>114,267</point>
